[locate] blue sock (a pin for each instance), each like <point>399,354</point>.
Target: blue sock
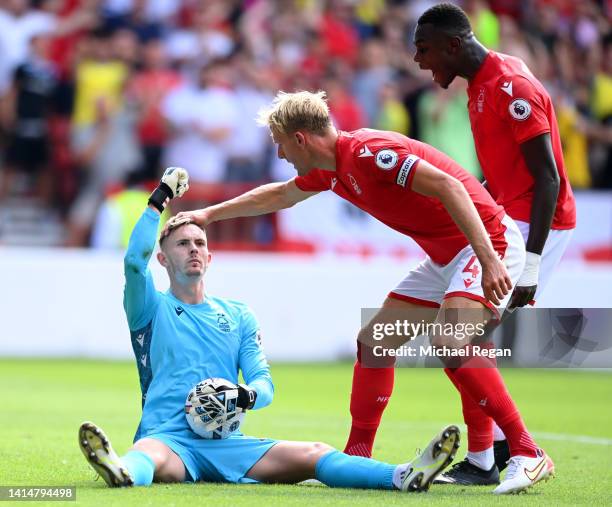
<point>339,470</point>
<point>140,466</point>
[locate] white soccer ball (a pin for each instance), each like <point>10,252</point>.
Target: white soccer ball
<point>211,409</point>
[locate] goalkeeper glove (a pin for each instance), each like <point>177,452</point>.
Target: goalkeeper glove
<point>174,183</point>
<point>246,397</point>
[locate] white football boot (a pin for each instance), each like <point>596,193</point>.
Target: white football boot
<point>523,472</point>
<point>440,452</point>
<point>99,453</point>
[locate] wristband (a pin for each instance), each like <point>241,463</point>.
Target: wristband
<point>159,196</point>
<point>529,277</point>
<point>246,397</point>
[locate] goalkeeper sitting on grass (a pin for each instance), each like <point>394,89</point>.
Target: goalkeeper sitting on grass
<point>184,336</point>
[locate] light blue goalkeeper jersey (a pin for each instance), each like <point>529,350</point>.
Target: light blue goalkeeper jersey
<point>177,345</point>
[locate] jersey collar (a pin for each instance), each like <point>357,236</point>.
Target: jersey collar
<point>487,70</point>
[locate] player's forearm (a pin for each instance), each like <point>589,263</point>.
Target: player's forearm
<point>543,207</point>
<point>460,207</point>
<point>142,242</point>
<point>259,201</point>
<point>265,391</point>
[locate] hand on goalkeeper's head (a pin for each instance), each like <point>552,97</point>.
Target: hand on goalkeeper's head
<point>199,217</point>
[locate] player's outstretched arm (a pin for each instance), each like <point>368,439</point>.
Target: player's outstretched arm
<point>140,296</point>
<point>259,201</point>
<point>430,181</point>
<point>540,161</point>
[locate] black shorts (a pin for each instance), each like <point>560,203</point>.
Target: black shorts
<point>28,153</point>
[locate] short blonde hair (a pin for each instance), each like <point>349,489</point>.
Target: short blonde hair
<point>290,112</point>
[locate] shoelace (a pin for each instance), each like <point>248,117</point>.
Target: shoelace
<point>513,467</point>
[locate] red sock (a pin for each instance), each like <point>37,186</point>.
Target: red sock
<point>486,388</point>
<point>479,425</point>
<point>372,388</point>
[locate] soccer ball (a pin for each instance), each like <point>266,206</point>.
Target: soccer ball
<point>211,409</point>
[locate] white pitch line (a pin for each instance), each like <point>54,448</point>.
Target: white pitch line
<point>582,439</point>
<point>561,437</point>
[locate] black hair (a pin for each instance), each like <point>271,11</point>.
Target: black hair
<point>448,18</point>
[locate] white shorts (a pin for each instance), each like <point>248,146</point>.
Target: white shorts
<point>429,283</point>
<point>555,245</point>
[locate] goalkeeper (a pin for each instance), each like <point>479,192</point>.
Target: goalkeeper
<point>186,335</point>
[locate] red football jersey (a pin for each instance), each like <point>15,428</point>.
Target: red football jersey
<point>374,171</point>
<point>507,107</point>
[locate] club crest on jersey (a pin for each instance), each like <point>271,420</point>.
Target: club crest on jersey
<point>223,323</point>
<point>519,109</point>
<point>386,159</point>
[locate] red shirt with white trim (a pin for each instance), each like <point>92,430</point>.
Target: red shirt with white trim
<point>374,171</point>
<point>508,106</point>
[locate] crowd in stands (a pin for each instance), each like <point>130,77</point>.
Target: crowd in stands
<point>99,94</point>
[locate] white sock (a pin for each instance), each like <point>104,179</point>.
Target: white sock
<point>398,474</point>
<point>483,459</point>
<point>498,434</point>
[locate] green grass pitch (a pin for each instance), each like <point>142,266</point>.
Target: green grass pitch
<point>44,401</point>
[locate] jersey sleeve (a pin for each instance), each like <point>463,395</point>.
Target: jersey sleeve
<point>252,361</point>
<point>522,107</point>
<point>394,165</point>
<point>140,299</point>
<point>316,180</point>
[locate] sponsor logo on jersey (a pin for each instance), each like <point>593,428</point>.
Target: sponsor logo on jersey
<point>356,186</point>
<point>223,323</point>
<point>507,87</point>
<point>402,174</point>
<point>333,183</point>
<point>179,310</point>
<point>365,152</point>
<point>140,339</point>
<point>143,360</point>
<point>386,159</point>
<point>519,109</point>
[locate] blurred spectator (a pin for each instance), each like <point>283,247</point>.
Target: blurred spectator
<point>445,124</point>
<point>484,21</point>
<point>120,211</point>
<point>103,136</point>
<point>146,90</point>
<point>202,118</point>
<point>99,77</point>
<point>392,114</point>
<point>372,74</point>
<point>249,144</point>
<point>20,21</point>
<point>345,110</point>
<point>26,112</point>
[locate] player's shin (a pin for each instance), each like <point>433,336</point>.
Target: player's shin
<point>371,390</point>
<point>338,470</point>
<point>479,429</point>
<point>141,467</point>
<point>487,389</point>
